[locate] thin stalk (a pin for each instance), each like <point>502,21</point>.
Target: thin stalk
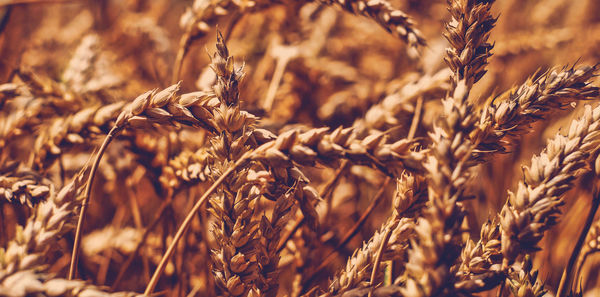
<point>581,262</point>
<point>289,235</point>
<point>275,81</point>
<point>416,118</point>
<point>186,222</point>
<point>565,280</point>
<point>184,45</point>
<point>3,225</point>
<point>138,247</point>
<point>388,233</point>
<point>501,289</point>
<point>352,232</point>
<point>330,185</point>
<point>325,194</point>
<point>75,254</point>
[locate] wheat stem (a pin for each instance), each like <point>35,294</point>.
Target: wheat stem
<point>377,261</point>
<point>565,280</point>
<point>75,254</point>
<point>353,231</point>
<point>184,45</point>
<point>131,257</point>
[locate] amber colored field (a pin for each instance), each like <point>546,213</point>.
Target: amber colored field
<point>299,148</point>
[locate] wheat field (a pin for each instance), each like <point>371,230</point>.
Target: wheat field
<point>299,148</point>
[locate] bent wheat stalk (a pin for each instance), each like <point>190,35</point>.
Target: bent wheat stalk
<point>88,187</point>
<point>565,280</point>
<point>151,107</point>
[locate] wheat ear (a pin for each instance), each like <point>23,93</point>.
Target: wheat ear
<point>532,209</point>
<point>50,221</point>
<point>438,240</point>
<point>514,111</point>
<point>24,187</point>
<point>392,20</point>
<point>410,196</point>
<point>31,283</point>
<point>76,129</point>
<point>523,280</point>
<point>234,266</point>
<point>501,122</point>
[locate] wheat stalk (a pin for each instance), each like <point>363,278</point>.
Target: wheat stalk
<point>317,145</point>
<point>324,69</point>
<point>565,281</point>
<point>234,267</point>
<point>151,107</point>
